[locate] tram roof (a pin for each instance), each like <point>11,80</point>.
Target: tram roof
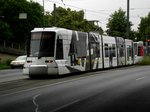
<point>47,29</point>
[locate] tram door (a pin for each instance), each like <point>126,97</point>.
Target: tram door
<point>129,51</point>
<point>94,55</point>
<point>108,55</point>
<point>110,58</point>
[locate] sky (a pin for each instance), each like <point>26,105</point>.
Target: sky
<point>102,9</point>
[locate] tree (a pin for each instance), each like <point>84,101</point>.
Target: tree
<point>117,24</point>
<point>48,19</point>
<point>144,27</point>
<point>74,20</point>
<point>5,31</point>
<point>16,29</point>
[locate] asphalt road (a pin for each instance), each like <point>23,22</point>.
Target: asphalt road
<point>117,90</point>
<point>11,74</point>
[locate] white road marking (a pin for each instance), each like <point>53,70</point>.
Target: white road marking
<point>37,106</point>
<point>141,78</point>
<point>66,105</point>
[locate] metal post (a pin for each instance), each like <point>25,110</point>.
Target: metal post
<point>128,26</point>
<point>54,14</point>
<point>43,14</point>
<point>90,58</point>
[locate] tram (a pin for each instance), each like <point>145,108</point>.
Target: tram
<point>58,51</point>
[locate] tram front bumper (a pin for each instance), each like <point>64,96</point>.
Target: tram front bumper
<point>40,70</point>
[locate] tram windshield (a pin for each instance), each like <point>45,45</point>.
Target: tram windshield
<point>42,44</point>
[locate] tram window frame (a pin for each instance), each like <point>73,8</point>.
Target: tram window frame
<point>98,50</point>
<point>42,44</point>
<point>121,50</point>
<point>113,50</point>
<point>59,49</point>
<point>130,51</point>
<point>106,50</point>
<point>135,49</point>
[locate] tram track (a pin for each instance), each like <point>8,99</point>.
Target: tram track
<point>27,83</point>
<point>22,84</point>
<point>82,90</point>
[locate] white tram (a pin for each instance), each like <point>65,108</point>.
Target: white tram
<point>57,51</point>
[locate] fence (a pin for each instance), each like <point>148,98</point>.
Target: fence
<point>11,47</point>
<point>8,44</point>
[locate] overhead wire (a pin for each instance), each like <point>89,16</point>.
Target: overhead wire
<point>97,13</point>
<point>86,11</point>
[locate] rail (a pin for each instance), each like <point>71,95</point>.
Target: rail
<point>11,47</point>
<point>8,44</point>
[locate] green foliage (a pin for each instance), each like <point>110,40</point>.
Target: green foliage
<point>16,29</point>
<point>6,34</point>
<point>134,35</point>
<point>74,20</point>
<point>5,64</point>
<point>144,27</point>
<point>117,24</point>
<point>48,19</point>
<point>145,61</point>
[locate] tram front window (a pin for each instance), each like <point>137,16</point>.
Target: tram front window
<point>42,44</point>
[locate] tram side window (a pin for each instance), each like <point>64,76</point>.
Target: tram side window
<point>81,45</point>
<point>113,50</point>
<point>128,54</point>
<point>121,51</point>
<point>135,48</point>
<point>130,51</point>
<point>59,49</point>
<point>97,50</point>
<point>106,50</point>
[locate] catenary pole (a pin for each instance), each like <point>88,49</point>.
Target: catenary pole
<point>128,26</point>
<point>43,14</point>
<point>54,14</point>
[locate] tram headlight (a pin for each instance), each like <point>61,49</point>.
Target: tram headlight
<point>29,61</point>
<point>49,61</point>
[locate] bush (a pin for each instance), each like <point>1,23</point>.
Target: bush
<point>5,64</point>
<point>8,62</point>
<point>145,61</point>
